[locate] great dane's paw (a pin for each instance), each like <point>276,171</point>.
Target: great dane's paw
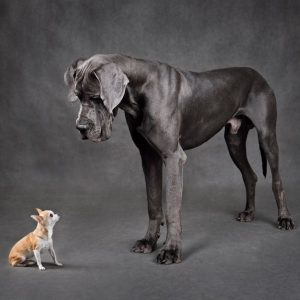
<point>169,256</point>
<point>285,223</point>
<point>245,216</point>
<point>144,246</point>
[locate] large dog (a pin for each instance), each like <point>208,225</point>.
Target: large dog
<point>168,111</point>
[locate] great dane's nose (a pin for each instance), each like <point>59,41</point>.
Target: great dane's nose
<point>82,126</point>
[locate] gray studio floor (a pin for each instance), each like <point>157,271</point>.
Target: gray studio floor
<point>223,259</point>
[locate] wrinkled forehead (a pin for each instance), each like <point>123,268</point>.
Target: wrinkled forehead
<point>86,82</point>
<point>84,91</point>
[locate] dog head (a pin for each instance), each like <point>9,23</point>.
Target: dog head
<point>47,218</point>
<point>100,88</point>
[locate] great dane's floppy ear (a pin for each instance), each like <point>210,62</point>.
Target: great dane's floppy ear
<point>112,83</point>
<point>69,78</point>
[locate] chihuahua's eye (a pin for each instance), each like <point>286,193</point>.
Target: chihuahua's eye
<point>51,215</point>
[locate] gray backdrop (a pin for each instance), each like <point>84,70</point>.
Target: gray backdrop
<point>99,188</point>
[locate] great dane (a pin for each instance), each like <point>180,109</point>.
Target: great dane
<point>168,111</point>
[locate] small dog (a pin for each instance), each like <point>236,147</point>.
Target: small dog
<point>35,242</point>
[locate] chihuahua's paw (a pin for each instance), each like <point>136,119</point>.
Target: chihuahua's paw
<point>42,268</point>
<point>59,264</point>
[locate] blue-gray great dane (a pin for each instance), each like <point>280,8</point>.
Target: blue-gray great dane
<point>168,111</point>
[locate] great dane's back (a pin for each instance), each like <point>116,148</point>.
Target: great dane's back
<point>168,111</point>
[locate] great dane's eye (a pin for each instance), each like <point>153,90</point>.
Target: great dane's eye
<point>51,215</point>
<point>95,97</point>
<point>78,94</point>
<point>74,75</point>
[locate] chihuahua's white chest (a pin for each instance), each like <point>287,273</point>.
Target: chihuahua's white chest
<point>44,244</point>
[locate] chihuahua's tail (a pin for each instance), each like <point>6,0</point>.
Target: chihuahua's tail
<point>26,263</point>
<point>20,261</point>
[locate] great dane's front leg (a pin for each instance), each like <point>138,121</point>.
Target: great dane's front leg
<point>172,251</point>
<point>152,167</point>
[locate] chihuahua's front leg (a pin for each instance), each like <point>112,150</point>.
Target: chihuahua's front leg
<point>38,259</point>
<point>53,254</point>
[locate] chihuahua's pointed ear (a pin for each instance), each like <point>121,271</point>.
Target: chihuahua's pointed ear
<point>112,83</point>
<point>69,78</point>
<point>39,219</point>
<point>39,210</point>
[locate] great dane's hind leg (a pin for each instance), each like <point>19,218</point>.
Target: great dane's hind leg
<point>235,136</point>
<point>269,144</point>
<point>152,167</point>
<point>172,251</point>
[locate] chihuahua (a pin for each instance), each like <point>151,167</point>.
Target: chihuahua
<point>35,242</point>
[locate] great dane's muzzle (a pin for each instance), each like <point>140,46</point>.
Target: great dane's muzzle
<point>83,126</point>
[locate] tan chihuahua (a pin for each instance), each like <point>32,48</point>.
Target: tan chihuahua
<point>35,242</point>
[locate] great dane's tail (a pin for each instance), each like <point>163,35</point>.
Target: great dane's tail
<point>263,159</point>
